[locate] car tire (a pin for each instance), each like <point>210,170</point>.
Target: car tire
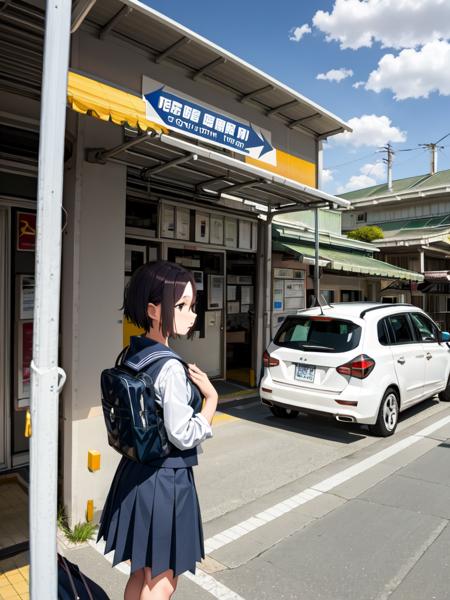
<point>387,415</point>
<point>284,413</point>
<point>444,396</point>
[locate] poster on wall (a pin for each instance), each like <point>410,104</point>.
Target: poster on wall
<point>245,235</point>
<point>294,289</point>
<point>167,221</point>
<point>233,308</point>
<point>26,231</point>
<point>201,227</point>
<point>25,356</point>
<point>215,291</point>
<point>26,286</point>
<point>231,292</point>
<point>198,278</point>
<point>278,295</point>
<point>231,233</point>
<point>182,223</point>
<point>216,234</point>
<point>254,236</point>
<point>247,294</point>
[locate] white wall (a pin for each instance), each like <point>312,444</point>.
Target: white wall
<point>92,290</point>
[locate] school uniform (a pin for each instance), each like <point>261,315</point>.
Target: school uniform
<point>152,515</point>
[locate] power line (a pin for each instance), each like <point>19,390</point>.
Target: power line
<point>351,161</point>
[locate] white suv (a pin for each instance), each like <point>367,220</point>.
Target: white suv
<point>359,362</point>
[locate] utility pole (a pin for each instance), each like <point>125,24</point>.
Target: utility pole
<point>388,161</point>
<point>47,377</point>
<point>434,147</point>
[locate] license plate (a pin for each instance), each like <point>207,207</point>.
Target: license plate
<point>305,373</point>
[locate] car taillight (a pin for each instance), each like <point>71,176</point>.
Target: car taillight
<point>359,367</point>
<point>269,361</point>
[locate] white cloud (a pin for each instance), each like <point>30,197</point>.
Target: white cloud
<point>327,176</point>
<point>393,23</point>
<point>414,73</point>
<point>356,182</point>
<point>376,170</point>
<point>358,84</point>
<point>296,33</point>
<point>335,75</point>
<point>369,174</point>
<point>370,130</point>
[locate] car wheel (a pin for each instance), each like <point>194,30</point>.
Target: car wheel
<point>387,415</point>
<point>445,394</point>
<point>284,413</point>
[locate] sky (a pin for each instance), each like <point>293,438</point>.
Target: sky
<point>380,65</point>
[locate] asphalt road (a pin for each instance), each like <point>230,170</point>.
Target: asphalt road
<point>312,509</point>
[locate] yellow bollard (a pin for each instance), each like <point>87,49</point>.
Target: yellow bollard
<point>93,460</point>
<point>27,432</point>
<point>90,510</point>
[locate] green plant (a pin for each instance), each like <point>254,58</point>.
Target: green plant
<point>81,532</point>
<point>368,233</point>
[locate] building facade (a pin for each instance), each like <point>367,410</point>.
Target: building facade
<point>350,271</point>
<point>415,219</point>
<point>174,149</point>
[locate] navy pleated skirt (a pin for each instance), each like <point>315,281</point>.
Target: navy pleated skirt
<point>152,518</point>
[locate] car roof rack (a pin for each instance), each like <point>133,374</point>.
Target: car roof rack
<point>366,310</point>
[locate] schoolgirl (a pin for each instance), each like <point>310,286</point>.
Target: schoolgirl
<point>151,516</point>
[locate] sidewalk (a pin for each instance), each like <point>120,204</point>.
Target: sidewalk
<point>13,538</point>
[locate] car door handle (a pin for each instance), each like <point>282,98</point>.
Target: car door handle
<point>428,356</point>
<point>401,360</point>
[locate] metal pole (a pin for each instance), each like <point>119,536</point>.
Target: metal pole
<point>47,378</point>
<point>316,260</point>
<point>267,324</point>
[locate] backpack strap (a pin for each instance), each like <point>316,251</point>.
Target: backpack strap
<point>119,358</point>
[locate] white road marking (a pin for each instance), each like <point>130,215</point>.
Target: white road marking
<point>215,588</point>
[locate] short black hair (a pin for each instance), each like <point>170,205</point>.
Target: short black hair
<point>157,282</point>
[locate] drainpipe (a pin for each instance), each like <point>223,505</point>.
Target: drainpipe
<point>47,378</point>
<point>422,270</point>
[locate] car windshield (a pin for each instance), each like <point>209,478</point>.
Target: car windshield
<point>318,334</point>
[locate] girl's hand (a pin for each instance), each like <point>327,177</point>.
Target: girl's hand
<point>202,382</point>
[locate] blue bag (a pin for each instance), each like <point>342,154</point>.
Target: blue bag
<point>134,420</point>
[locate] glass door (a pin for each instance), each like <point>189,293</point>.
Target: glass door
<point>4,341</point>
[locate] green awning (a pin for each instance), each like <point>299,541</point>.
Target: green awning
<point>352,262</point>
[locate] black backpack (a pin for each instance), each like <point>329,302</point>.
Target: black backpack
<point>74,585</point>
<point>134,420</point>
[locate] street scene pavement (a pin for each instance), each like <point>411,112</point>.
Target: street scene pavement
<point>311,509</point>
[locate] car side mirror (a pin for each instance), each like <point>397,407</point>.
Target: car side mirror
<point>444,336</point>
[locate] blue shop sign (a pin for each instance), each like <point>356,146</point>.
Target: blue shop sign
<point>187,116</point>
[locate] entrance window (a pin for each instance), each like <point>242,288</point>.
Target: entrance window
<point>351,295</point>
<point>142,214</point>
<point>240,325</point>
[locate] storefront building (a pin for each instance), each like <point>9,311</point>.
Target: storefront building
<point>350,270</point>
<point>175,149</point>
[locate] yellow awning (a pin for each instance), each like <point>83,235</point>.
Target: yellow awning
<point>105,102</point>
